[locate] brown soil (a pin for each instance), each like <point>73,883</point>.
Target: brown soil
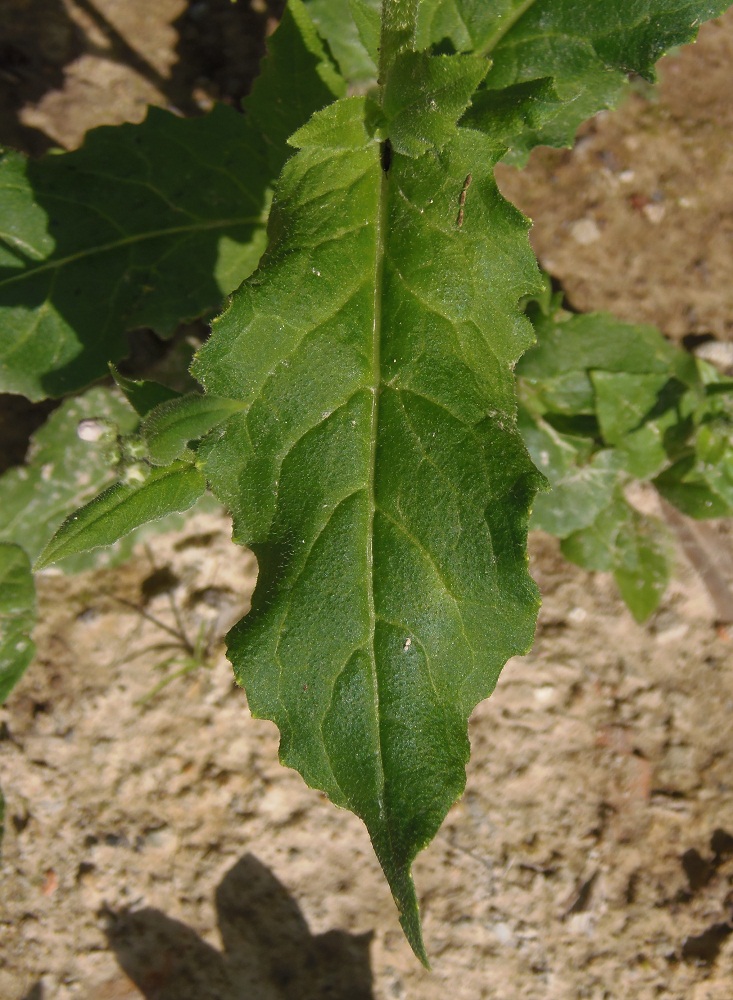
<point>158,849</point>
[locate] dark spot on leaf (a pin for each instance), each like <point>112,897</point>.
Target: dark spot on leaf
<point>385,153</point>
<point>582,900</point>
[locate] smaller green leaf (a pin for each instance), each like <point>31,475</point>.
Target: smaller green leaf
<point>337,126</point>
<point>169,427</point>
<point>551,452</point>
<point>124,507</point>
<point>368,20</point>
<point>635,548</point>
<point>587,47</point>
<point>594,547</point>
<point>719,389</point>
<point>577,498</point>
<point>141,394</point>
<point>698,490</point>
<point>623,400</point>
<point>17,616</point>
<point>470,24</point>
<point>613,384</point>
<point>336,25</point>
<point>425,96</point>
<point>570,394</point>
<point>440,25</point>
<point>600,342</point>
<point>642,563</point>
<point>643,453</point>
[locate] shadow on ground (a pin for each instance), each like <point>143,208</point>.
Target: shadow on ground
<point>39,40</point>
<point>268,951</point>
<point>219,48</point>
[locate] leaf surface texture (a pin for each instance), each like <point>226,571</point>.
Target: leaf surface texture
<point>376,468</point>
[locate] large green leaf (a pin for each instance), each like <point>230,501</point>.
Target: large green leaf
<point>377,469</point>
<point>17,617</point>
<point>145,225</point>
<point>372,455</point>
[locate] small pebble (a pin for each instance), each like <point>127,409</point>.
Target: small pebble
<point>585,231</point>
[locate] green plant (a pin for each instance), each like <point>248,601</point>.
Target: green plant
<point>358,411</point>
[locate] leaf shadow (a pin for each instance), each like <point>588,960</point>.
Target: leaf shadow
<point>268,951</point>
<point>137,248</point>
<point>146,243</point>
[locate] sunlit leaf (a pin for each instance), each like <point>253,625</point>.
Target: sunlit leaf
<point>124,507</point>
<point>377,469</point>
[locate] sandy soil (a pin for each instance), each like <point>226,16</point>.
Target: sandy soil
<point>155,848</point>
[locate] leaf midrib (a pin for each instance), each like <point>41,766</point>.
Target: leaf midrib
<point>136,238</point>
<point>376,385</point>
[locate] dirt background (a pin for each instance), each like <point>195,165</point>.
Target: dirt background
<point>158,850</point>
